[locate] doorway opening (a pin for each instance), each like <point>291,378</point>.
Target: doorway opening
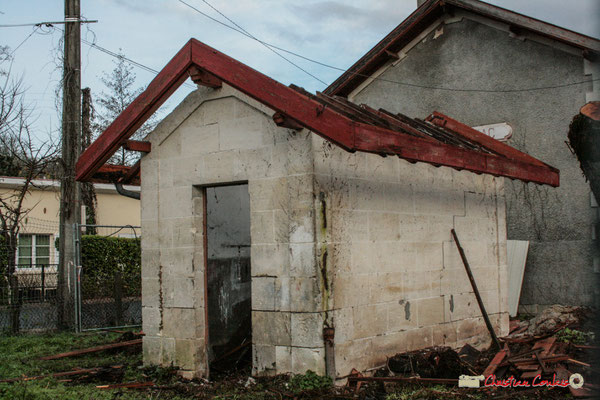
<point>227,216</point>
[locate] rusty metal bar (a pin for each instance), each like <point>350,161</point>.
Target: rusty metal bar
<point>486,318</point>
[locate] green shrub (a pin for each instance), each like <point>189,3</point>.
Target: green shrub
<point>309,381</point>
<point>574,336</point>
<point>102,257</point>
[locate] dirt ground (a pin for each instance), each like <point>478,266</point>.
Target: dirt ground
<point>19,358</point>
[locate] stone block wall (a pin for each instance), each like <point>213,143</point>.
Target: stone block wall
<point>470,52</point>
<point>219,137</point>
<point>396,279</point>
<point>356,242</point>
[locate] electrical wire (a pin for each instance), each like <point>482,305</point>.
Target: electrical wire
<point>343,70</point>
<point>10,56</point>
<point>122,57</point>
<point>247,34</point>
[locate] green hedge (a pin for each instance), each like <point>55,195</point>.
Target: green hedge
<point>102,257</point>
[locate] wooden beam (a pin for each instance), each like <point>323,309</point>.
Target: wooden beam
<point>393,55</point>
<point>285,122</point>
<point>482,139</point>
<point>109,173</point>
<point>275,95</point>
<point>495,363</point>
<point>138,145</point>
<point>309,113</point>
<point>93,349</point>
<point>132,174</point>
<point>138,112</point>
<point>415,149</point>
<point>204,78</point>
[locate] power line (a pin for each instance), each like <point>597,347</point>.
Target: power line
<point>9,56</point>
<point>122,57</point>
<point>431,87</point>
<point>50,23</point>
<point>248,34</point>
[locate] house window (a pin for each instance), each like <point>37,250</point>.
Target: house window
<point>33,251</point>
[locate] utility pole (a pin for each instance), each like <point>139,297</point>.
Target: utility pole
<point>71,139</point>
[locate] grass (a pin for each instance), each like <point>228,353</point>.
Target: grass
<point>19,357</point>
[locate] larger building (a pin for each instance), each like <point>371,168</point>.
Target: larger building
<point>485,65</point>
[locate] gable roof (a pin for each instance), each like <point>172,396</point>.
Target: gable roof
<point>432,10</point>
<point>439,141</point>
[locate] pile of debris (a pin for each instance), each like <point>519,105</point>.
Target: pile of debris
<point>543,356</point>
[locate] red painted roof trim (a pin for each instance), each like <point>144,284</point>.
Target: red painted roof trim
<point>306,111</point>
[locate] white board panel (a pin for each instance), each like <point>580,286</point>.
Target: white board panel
<point>501,131</point>
<point>516,257</point>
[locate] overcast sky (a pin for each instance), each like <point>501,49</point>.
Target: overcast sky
<point>151,31</point>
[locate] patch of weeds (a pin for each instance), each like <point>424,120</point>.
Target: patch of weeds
<point>157,374</point>
<point>435,392</point>
<point>309,381</point>
<point>574,336</point>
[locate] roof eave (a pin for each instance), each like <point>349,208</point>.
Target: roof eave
<point>333,125</point>
<point>429,12</point>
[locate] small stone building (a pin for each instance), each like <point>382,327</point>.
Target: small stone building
<point>315,229</point>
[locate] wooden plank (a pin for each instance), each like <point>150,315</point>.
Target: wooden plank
<point>138,145</point>
<point>93,349</point>
<point>133,173</point>
<point>308,112</point>
<point>204,78</point>
<point>358,136</point>
<point>527,367</point>
<point>482,139</point>
<point>529,361</point>
<point>442,381</point>
<point>55,375</point>
<point>128,385</point>
<point>531,374</point>
<point>516,257</point>
<point>285,122</point>
<point>545,345</point>
<point>572,361</point>
<point>495,363</point>
<point>376,140</point>
<point>157,92</point>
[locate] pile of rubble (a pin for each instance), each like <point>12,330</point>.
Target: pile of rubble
<point>545,353</point>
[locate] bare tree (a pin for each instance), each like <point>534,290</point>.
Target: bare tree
<point>120,83</point>
<point>28,158</point>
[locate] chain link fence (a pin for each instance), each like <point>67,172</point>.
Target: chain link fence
<point>108,291</point>
<point>30,303</point>
<point>105,280</point>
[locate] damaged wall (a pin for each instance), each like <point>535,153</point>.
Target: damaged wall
<point>471,52</point>
<point>396,280</point>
